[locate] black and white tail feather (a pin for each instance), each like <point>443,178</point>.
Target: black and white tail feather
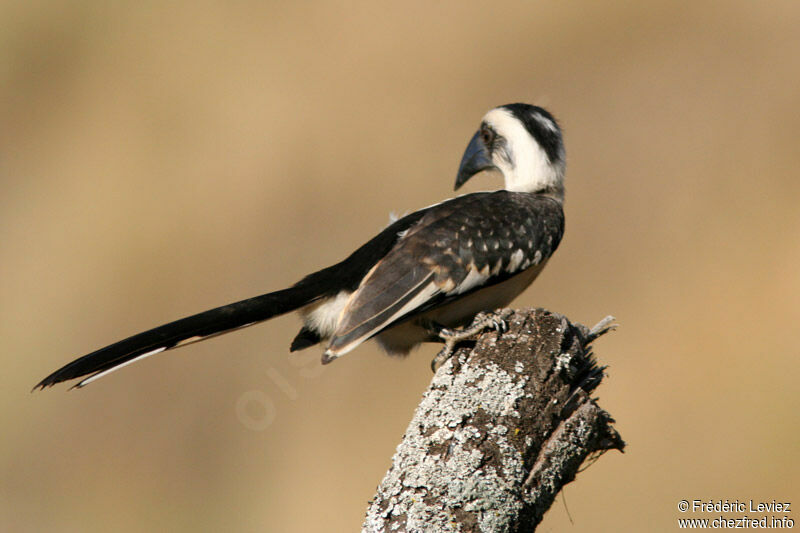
<point>437,266</point>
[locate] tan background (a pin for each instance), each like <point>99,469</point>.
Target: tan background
<point>160,160</point>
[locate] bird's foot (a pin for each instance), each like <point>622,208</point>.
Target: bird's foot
<point>451,337</point>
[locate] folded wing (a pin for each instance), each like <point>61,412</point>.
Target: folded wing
<point>460,246</point>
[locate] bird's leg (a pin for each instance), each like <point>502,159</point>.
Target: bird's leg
<point>451,337</point>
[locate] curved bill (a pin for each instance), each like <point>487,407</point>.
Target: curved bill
<point>476,158</point>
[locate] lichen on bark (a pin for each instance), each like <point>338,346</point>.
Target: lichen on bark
<point>502,427</point>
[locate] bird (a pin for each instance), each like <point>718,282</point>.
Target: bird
<point>426,277</point>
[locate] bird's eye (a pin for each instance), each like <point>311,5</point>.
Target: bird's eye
<point>487,135</point>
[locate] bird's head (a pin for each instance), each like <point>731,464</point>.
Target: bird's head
<point>524,143</point>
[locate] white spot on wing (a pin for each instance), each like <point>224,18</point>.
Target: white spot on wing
<point>497,267</point>
<point>448,285</point>
<point>516,261</point>
<point>474,279</point>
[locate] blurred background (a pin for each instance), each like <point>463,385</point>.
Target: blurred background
<point>158,159</point>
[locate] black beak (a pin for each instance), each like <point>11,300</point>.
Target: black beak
<point>476,158</point>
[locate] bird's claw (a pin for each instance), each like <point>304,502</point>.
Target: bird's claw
<point>496,321</point>
<point>602,327</point>
<point>481,322</point>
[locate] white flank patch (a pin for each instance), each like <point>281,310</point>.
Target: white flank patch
<point>123,365</point>
<point>325,317</point>
<point>516,261</point>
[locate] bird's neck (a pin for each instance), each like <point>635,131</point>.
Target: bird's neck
<point>549,183</point>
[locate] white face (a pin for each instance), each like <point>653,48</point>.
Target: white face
<point>519,157</point>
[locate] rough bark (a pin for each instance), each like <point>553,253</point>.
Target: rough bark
<point>503,426</point>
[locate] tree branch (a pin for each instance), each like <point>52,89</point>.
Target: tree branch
<point>502,427</point>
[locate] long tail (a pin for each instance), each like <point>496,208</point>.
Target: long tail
<point>346,274</point>
<point>182,332</point>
